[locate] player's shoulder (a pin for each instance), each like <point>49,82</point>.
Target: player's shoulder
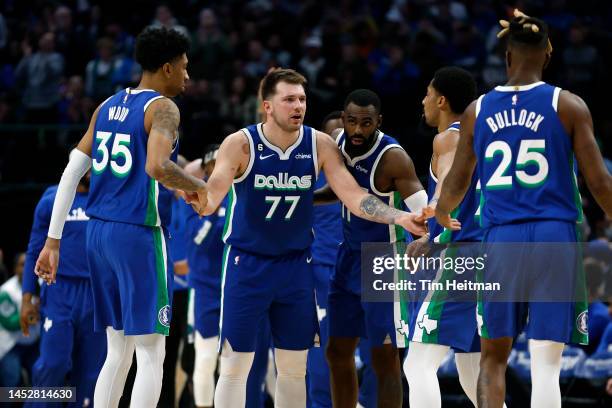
<point>238,139</point>
<point>570,100</point>
<point>445,138</point>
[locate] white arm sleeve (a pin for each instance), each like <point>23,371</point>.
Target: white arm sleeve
<point>417,201</point>
<point>77,166</point>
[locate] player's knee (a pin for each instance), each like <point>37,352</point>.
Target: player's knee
<point>338,353</point>
<point>206,355</point>
<point>235,365</point>
<point>412,370</point>
<point>385,360</point>
<point>290,363</point>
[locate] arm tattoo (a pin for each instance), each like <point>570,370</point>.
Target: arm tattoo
<point>175,177</point>
<point>375,210</point>
<point>166,119</point>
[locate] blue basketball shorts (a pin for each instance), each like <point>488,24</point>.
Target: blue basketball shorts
<point>280,287</point>
<point>131,277</point>
<point>555,269</point>
<point>349,316</point>
<point>442,314</point>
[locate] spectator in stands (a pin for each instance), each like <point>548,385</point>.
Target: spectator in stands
<point>239,107</point>
<point>17,352</point>
<point>210,49</point>
<point>38,75</point>
<point>258,59</point>
<point>100,72</point>
<point>310,65</point>
<point>70,41</point>
<point>581,62</point>
<point>75,107</point>
<point>165,18</point>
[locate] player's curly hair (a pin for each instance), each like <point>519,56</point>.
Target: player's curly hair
<point>156,46</point>
<point>363,98</point>
<point>456,85</point>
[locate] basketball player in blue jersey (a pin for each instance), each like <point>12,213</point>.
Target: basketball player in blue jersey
<point>131,145</point>
<point>382,168</point>
<point>522,139</point>
<point>445,320</point>
<point>271,169</point>
<point>70,351</point>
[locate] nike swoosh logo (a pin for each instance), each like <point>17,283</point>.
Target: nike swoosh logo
<point>265,157</point>
<point>309,260</point>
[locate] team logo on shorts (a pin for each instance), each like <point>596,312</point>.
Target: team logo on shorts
<point>582,323</point>
<point>164,316</point>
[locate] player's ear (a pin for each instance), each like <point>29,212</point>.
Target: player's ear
<point>441,102</point>
<point>266,106</point>
<point>167,69</point>
<point>379,121</point>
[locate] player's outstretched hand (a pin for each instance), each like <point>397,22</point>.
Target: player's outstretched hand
<point>46,265</point>
<point>29,314</point>
<point>412,222</point>
<point>445,220</point>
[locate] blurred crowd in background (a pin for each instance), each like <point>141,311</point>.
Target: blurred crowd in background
<point>60,59</point>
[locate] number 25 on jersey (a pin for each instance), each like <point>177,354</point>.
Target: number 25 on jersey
<point>530,153</point>
<point>119,153</point>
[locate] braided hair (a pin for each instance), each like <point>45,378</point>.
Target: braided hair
<point>525,31</point>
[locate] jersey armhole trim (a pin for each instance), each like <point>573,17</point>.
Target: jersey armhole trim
<point>251,156</point>
<point>146,105</point>
<point>478,103</point>
<point>555,98</point>
<point>315,157</point>
<point>375,166</point>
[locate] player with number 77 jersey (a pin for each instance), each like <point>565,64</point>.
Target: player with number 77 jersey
<point>270,170</point>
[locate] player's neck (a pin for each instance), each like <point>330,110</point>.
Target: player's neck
<point>148,81</point>
<point>446,118</point>
<point>523,75</point>
<point>279,137</point>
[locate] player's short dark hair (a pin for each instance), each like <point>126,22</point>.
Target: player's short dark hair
<point>363,98</point>
<point>156,46</point>
<point>268,83</point>
<point>331,116</point>
<point>456,85</point>
<point>521,33</point>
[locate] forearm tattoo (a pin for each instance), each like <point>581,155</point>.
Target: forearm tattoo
<point>375,210</point>
<point>175,177</point>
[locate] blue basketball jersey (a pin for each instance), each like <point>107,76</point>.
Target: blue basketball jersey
<point>271,204</point>
<point>525,160</point>
<point>363,168</point>
<point>468,211</point>
<point>120,189</point>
